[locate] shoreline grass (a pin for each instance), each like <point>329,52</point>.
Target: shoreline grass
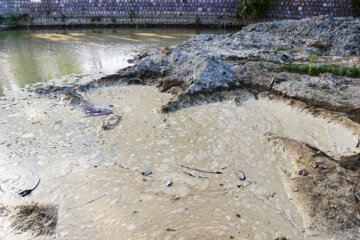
<point>316,70</point>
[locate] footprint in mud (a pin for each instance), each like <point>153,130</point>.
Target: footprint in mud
<point>37,219</point>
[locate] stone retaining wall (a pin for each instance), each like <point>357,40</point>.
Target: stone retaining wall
<point>162,11</point>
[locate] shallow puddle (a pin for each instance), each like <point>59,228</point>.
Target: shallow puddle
<point>112,184</point>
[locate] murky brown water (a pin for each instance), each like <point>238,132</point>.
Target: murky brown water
<point>94,176</point>
<point>29,57</point>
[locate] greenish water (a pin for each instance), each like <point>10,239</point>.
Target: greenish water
<point>34,56</point>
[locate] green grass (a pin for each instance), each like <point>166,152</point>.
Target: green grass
<point>280,49</point>
<point>313,70</point>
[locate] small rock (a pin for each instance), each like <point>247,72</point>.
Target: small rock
<point>111,122</point>
<point>169,183</point>
<point>241,175</point>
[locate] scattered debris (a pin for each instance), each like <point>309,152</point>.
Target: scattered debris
<point>289,102</point>
<point>111,122</point>
<point>241,175</point>
<point>192,175</point>
<point>281,238</point>
<point>176,199</point>
<point>247,183</point>
<point>147,173</point>
<point>199,170</point>
<point>95,160</point>
<point>135,213</point>
<point>28,191</point>
<point>95,111</point>
<point>322,166</point>
<point>95,199</point>
<point>169,183</point>
<point>303,172</point>
<point>170,230</point>
<point>88,202</point>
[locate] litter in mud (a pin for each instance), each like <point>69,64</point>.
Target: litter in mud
<point>95,111</point>
<point>146,173</point>
<point>111,122</point>
<point>29,191</point>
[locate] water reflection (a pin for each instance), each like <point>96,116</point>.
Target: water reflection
<point>29,57</point>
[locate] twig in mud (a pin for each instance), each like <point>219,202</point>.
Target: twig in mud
<point>293,221</point>
<point>192,175</point>
<point>88,202</point>
<point>95,199</point>
<point>272,83</point>
<point>308,133</point>
<point>170,230</point>
<point>199,170</point>
<point>175,199</point>
<point>121,166</point>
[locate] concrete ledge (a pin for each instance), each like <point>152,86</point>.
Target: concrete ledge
<point>144,20</point>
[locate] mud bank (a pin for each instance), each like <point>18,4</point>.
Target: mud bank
<point>102,184</point>
<point>158,173</point>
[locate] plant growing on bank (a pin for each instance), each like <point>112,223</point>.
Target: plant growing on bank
<point>14,20</point>
<point>253,9</point>
<point>63,17</point>
<point>131,15</point>
<point>312,60</point>
<point>313,70</point>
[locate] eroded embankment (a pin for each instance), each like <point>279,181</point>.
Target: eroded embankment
<point>323,180</point>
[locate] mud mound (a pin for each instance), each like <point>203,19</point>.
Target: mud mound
<point>38,219</point>
<point>249,59</point>
<point>325,190</point>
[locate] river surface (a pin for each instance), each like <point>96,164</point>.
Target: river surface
<point>35,56</point>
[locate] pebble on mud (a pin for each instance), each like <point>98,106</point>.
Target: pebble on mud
<point>111,122</point>
<point>241,175</point>
<point>169,183</point>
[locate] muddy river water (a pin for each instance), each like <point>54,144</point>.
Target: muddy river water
<point>36,56</point>
<point>154,175</point>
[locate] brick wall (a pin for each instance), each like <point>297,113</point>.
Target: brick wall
<point>304,8</point>
<point>201,9</point>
